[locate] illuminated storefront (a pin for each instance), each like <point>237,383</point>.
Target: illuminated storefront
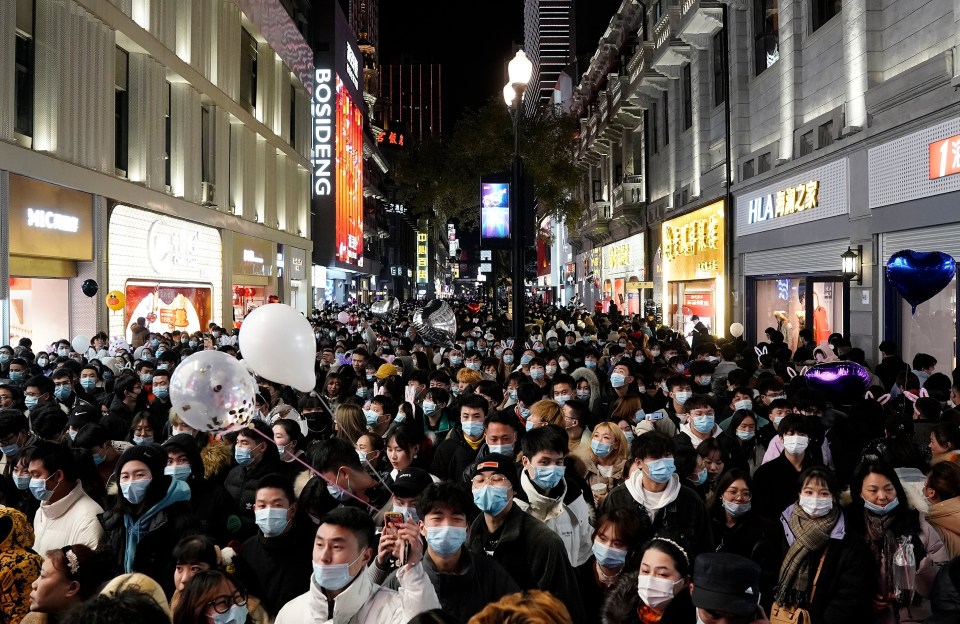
<point>623,273</point>
<point>170,270</point>
<point>693,265</point>
<point>791,234</point>
<point>50,231</point>
<point>254,272</point>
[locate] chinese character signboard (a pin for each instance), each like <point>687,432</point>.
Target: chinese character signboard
<point>945,157</point>
<point>693,245</point>
<point>423,268</point>
<point>624,258</point>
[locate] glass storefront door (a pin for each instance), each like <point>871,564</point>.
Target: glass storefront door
<point>38,310</point>
<point>697,298</point>
<point>933,329</point>
<point>787,303</point>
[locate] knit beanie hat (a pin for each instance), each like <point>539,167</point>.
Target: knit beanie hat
<point>150,454</point>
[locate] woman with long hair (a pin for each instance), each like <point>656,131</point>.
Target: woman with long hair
<point>606,461</point>
<point>349,423</point>
<point>945,442</point>
<point>942,490</point>
<point>880,515</point>
<point>826,568</point>
<point>741,435</point>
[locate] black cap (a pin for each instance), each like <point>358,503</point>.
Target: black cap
<point>150,454</point>
<point>410,482</point>
<point>495,462</point>
<point>726,582</point>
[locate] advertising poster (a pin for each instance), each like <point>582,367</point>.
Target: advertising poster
<point>349,187</point>
<point>495,210</point>
<point>168,307</point>
<point>698,303</point>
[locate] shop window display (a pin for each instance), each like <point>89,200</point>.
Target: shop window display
<point>37,310</point>
<point>781,304</point>
<point>695,298</point>
<point>933,329</point>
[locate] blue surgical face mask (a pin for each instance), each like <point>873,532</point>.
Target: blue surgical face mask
<point>41,362</point>
<point>335,576</point>
<point>513,394</point>
<point>98,459</point>
<point>491,499</point>
<point>591,364</point>
<point>660,470</point>
<point>536,374</point>
<point>456,360</point>
<point>372,417</point>
<point>629,435</point>
<point>473,366</point>
<point>16,375</point>
<point>38,487</point>
<point>237,614</point>
<point>746,436</point>
<point>470,344</point>
<point>31,402</point>
<point>472,429</point>
<point>736,509</point>
<point>702,476</point>
<point>446,540</point>
<point>548,477</point>
<point>704,424</point>
<point>146,378</point>
<point>244,456</point>
<point>154,343</point>
<point>134,491</point>
<point>877,509</point>
<point>272,520</point>
<point>600,449</point>
<point>561,399</point>
<point>508,359</point>
<point>503,449</point>
<point>681,397</point>
<point>10,450</point>
<point>429,407</point>
<point>609,557</point>
<point>162,392</point>
<point>180,472</point>
<point>617,380</point>
<point>525,359</point>
<point>525,413</point>
<point>63,351</point>
<point>583,395</point>
<point>639,416</point>
<point>192,344</point>
<point>362,392</point>
<point>138,440</point>
<point>22,481</point>
<point>88,383</point>
<point>62,393</point>
<point>4,358</point>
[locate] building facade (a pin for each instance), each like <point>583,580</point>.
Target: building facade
<point>159,148</point>
<point>549,37</point>
<point>834,123</point>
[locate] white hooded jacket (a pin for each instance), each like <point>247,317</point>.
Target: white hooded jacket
<point>365,602</point>
<point>571,522</point>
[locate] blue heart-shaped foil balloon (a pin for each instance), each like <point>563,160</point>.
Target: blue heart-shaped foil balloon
<point>919,275</point>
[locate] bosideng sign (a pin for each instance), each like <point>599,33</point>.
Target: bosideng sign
<point>323,132</point>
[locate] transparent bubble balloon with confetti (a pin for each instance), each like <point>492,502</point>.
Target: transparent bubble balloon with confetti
<point>213,392</point>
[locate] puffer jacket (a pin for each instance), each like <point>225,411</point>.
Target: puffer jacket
<point>567,515</point>
<point>19,565</point>
<point>944,517</point>
<point>364,602</point>
<point>622,601</point>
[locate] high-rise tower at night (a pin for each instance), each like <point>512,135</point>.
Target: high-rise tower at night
<point>414,94</point>
<point>549,40</point>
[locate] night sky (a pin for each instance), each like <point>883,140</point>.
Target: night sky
<point>473,41</point>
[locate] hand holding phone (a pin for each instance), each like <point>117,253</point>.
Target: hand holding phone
<point>393,520</point>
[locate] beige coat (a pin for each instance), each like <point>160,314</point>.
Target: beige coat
<point>944,517</point>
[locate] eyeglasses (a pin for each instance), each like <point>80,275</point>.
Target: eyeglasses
<point>495,479</point>
<point>222,604</point>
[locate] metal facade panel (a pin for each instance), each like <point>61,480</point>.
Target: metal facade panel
<point>945,238</point>
<point>900,169</point>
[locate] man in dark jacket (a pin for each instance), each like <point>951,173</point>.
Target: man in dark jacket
<point>465,581</point>
<point>665,507</point>
<point>532,554</point>
<point>891,365</point>
<point>128,399</point>
<point>256,456</point>
<point>460,448</point>
<point>216,509</point>
<point>276,563</point>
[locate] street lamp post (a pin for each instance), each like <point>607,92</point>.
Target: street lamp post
<point>519,71</point>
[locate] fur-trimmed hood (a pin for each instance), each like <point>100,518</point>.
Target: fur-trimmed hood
<point>585,373</point>
<point>621,603</point>
<point>217,459</point>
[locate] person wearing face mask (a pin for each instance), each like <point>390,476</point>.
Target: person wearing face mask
<point>151,513</point>
<point>657,592</point>
<point>128,399</point>
<point>256,456</point>
<point>465,581</point>
<point>67,515</point>
<point>701,422</point>
<point>739,530</point>
<point>462,444</point>
<point>770,495</point>
<point>743,442</point>
<point>215,508</point>
<point>882,519</point>
<point>826,569</point>
<point>15,438</point>
<point>501,434</point>
<point>275,564</point>
<point>160,405</point>
<point>551,496</point>
<point>615,554</point>
<point>340,585</point>
<point>531,553</point>
<point>654,490</point>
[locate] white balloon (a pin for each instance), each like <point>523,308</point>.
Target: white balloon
<point>278,344</point>
<point>344,317</point>
<point>213,391</point>
<point>80,343</point>
<point>736,330</point>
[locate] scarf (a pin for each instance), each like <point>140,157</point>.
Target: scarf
<point>177,492</point>
<point>883,544</point>
<point>652,501</point>
<point>811,535</point>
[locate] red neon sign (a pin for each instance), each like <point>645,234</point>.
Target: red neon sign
<point>349,189</point>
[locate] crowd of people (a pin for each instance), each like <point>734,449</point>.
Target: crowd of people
<point>597,469</point>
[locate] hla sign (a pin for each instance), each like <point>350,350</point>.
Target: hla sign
<point>786,202</point>
<point>49,220</point>
<point>323,132</point>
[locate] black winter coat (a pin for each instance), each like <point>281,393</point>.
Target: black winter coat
<point>154,556</point>
<point>452,456</point>
<point>277,569</point>
<point>533,555</point>
<point>759,540</point>
<point>622,602</point>
<point>685,520</point>
<point>847,582</point>
<point>241,484</point>
<point>945,596</point>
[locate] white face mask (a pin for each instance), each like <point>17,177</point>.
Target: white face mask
<point>656,592</point>
<point>745,404</point>
<point>816,507</point>
<point>795,444</point>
